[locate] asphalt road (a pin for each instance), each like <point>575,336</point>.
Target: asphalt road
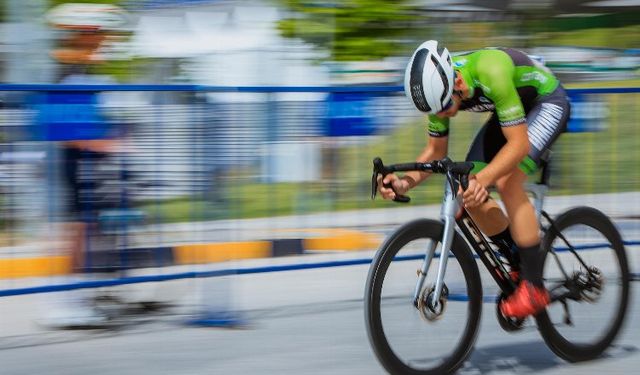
<point>296,322</point>
<point>300,322</point>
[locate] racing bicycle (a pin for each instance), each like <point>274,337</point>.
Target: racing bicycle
<point>424,293</point>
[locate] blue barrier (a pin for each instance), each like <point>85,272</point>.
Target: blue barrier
<point>356,122</point>
<point>223,89</point>
<point>237,271</point>
<point>347,106</point>
<point>261,89</point>
<point>199,88</point>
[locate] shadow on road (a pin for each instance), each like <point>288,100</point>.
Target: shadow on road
<point>527,357</point>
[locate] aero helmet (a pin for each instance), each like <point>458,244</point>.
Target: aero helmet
<point>428,79</point>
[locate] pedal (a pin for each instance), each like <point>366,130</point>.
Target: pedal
<point>506,323</point>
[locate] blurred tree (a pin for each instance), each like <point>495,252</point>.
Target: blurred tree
<point>352,30</point>
<point>614,30</point>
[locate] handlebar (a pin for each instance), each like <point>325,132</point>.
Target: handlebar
<point>458,171</point>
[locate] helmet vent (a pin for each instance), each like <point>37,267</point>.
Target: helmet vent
<point>443,77</point>
<point>415,81</point>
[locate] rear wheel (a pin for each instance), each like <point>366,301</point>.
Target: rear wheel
<point>418,337</point>
<point>584,326</point>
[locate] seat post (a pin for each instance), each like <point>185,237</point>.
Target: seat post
<point>544,173</point>
<point>539,189</point>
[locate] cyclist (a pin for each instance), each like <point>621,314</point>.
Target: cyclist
<point>529,111</point>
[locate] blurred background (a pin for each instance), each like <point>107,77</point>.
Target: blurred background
<point>256,137</point>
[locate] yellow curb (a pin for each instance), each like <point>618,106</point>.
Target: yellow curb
<point>342,240</point>
<point>35,267</point>
<point>320,231</point>
<point>345,240</point>
<point>220,252</point>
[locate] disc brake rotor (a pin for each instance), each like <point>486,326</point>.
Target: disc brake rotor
<point>428,310</point>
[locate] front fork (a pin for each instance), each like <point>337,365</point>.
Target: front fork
<point>451,205</point>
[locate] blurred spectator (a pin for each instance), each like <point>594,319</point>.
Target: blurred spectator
<point>90,172</point>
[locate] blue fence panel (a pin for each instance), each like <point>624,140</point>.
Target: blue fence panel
<point>66,116</point>
<point>200,165</point>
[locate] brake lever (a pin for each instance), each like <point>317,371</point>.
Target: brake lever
<point>461,170</point>
<point>399,198</point>
<point>464,181</point>
<point>374,185</point>
<point>379,169</point>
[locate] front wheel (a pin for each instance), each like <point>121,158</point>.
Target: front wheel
<point>586,323</point>
<point>415,337</point>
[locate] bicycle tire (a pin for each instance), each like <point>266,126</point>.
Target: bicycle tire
<point>563,346</point>
<point>421,229</point>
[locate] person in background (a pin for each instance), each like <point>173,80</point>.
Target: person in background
<point>88,174</point>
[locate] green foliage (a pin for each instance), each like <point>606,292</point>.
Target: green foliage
<point>350,30</point>
<point>603,21</point>
<point>620,37</point>
<point>121,70</point>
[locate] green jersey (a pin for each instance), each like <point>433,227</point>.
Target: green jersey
<point>501,80</point>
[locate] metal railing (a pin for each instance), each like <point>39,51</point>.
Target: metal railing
<point>200,166</point>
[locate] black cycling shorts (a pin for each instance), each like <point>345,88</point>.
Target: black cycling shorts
<point>546,120</point>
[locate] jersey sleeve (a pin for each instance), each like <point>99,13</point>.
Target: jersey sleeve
<point>438,127</point>
<point>496,74</point>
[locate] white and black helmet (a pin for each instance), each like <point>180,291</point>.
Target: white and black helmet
<point>428,79</point>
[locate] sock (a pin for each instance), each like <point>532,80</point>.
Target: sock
<point>506,247</point>
<point>531,265</point>
<point>503,238</point>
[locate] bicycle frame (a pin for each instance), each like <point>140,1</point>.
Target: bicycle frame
<point>453,214</point>
<point>584,283</point>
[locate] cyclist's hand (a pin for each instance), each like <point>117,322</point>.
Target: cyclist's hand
<point>399,185</point>
<point>475,195</point>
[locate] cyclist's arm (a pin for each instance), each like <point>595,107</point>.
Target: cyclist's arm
<point>499,87</point>
<point>437,148</point>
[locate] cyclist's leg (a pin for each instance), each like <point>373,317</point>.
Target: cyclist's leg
<point>486,144</point>
<point>490,216</point>
<point>546,121</point>
<point>523,224</point>
<point>521,213</point>
<point>530,296</point>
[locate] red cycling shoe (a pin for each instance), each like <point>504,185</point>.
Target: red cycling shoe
<point>526,300</point>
